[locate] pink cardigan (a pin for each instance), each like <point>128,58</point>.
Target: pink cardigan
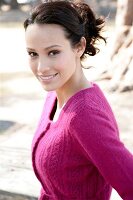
<point>80,155</point>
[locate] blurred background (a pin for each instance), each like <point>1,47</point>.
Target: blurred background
<point>22,98</point>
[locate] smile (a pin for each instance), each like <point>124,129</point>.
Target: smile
<point>48,77</point>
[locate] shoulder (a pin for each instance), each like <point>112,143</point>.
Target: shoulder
<point>92,112</point>
<point>90,100</point>
<point>49,99</point>
<point>50,96</point>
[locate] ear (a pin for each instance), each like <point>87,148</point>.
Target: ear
<point>80,47</point>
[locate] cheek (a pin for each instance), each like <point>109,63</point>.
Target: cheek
<point>65,61</point>
<point>33,66</point>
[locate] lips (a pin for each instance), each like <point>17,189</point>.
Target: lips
<point>47,77</point>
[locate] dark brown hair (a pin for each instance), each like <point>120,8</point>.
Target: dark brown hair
<point>78,20</point>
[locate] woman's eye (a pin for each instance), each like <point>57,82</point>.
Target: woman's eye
<point>32,54</point>
<point>54,52</point>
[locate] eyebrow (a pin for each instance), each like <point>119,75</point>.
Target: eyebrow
<point>47,48</point>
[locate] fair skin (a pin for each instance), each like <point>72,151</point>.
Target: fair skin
<point>54,62</point>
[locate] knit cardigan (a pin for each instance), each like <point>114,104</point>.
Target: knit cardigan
<point>80,156</point>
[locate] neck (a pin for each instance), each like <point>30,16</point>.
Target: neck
<point>70,88</point>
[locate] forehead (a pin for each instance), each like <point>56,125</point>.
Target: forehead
<point>46,34</point>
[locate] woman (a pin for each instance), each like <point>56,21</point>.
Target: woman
<point>76,151</point>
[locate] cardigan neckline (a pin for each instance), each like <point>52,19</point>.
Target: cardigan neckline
<point>72,98</point>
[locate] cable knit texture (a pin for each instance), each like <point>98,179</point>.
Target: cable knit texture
<point>80,155</point>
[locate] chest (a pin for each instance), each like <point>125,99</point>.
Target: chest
<point>59,153</point>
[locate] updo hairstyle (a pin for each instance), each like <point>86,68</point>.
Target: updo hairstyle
<point>78,20</point>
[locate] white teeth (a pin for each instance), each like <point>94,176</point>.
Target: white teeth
<point>47,77</point>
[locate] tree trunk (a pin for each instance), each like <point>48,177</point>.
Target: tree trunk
<point>14,4</point>
<point>121,57</point>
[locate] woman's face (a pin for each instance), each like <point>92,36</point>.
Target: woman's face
<point>51,57</point>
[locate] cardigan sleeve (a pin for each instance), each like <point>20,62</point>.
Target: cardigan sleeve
<point>97,133</point>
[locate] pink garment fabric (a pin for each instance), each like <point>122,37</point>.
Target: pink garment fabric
<point>80,156</point>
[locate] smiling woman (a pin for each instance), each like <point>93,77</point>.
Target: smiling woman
<point>53,60</point>
<point>77,126</point>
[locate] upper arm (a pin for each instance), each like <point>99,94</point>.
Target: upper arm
<point>97,134</point>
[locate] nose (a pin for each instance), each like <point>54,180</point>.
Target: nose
<point>43,66</point>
